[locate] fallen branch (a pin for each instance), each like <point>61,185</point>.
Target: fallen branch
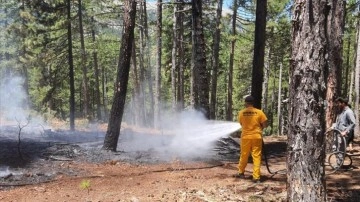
<point>60,158</point>
<point>25,184</point>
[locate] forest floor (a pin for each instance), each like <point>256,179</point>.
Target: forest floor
<point>64,170</point>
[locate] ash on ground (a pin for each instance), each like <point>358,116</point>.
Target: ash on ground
<point>41,157</point>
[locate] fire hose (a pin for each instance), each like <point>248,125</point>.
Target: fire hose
<point>265,155</point>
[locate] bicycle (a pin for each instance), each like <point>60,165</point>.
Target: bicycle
<point>335,150</point>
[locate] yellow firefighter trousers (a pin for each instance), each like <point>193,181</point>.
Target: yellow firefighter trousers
<point>255,147</point>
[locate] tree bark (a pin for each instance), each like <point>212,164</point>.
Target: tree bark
<point>272,106</point>
<point>104,80</point>
<point>24,68</point>
<point>266,82</point>
<point>334,34</point>
<point>346,76</point>
<point>71,68</point>
<point>181,61</point>
<point>97,75</point>
<point>149,101</point>
<point>142,67</point>
<point>85,88</point>
<point>117,109</point>
<point>306,149</point>
<point>357,81</point>
<point>352,75</point>
<point>215,60</point>
<point>259,52</point>
<point>136,103</point>
<point>157,109</point>
<point>174,59</point>
<point>229,109</point>
<point>199,58</point>
<point>279,100</point>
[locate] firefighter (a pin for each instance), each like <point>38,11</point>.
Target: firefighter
<point>252,121</point>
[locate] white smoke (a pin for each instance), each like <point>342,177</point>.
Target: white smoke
<point>13,100</point>
<point>185,134</point>
<point>14,109</point>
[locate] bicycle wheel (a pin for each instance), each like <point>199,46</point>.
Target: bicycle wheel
<point>334,141</point>
<point>329,142</point>
<point>335,147</point>
<point>336,160</point>
<point>347,161</point>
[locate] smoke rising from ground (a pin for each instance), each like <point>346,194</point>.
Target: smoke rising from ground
<point>185,134</point>
<point>14,109</point>
<point>13,99</point>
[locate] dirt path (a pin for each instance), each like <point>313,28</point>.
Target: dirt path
<point>93,176</point>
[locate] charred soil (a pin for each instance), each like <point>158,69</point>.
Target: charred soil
<point>69,171</point>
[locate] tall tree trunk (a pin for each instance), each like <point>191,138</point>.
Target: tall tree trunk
<point>136,104</point>
<point>279,100</point>
<point>150,112</point>
<point>25,73</point>
<point>272,106</point>
<point>174,56</point>
<point>352,75</point>
<point>6,56</point>
<point>306,149</point>
<point>193,92</point>
<point>284,115</point>
<point>97,75</point>
<point>71,68</point>
<point>148,73</point>
<point>157,109</point>
<point>259,52</point>
<point>85,88</point>
<point>229,109</point>
<point>117,109</point>
<point>198,45</point>
<point>146,85</point>
<point>357,80</point>
<point>104,80</point>
<point>215,60</point>
<point>266,82</point>
<point>142,68</point>
<point>181,61</point>
<point>346,76</point>
<point>334,34</point>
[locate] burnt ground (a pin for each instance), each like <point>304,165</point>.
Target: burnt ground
<point>70,166</point>
<point>38,159</point>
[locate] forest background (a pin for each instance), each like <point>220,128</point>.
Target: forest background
<point>298,56</point>
<point>62,47</point>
